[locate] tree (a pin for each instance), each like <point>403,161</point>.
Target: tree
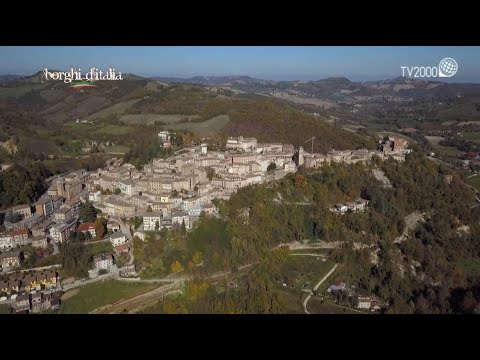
<point>157,225</point>
<point>99,228</point>
<point>184,228</point>
<point>88,213</point>
<point>210,173</point>
<point>149,208</point>
<point>117,191</point>
<point>197,257</point>
<point>176,266</point>
<point>102,272</point>
<point>80,236</point>
<point>271,167</point>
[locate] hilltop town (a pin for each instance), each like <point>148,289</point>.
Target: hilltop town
<point>166,193</point>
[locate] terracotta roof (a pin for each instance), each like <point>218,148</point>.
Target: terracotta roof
<point>86,226</point>
<point>121,247</point>
<point>19,232</point>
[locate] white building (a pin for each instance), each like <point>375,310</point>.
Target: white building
<point>364,302</point>
<point>94,196</point>
<point>164,136</point>
<point>118,238</point>
<point>104,261</point>
<point>203,148</point>
<point>61,232</point>
<point>150,220</point>
<point>126,186</point>
<point>241,143</point>
<point>181,216</point>
<point>6,241</point>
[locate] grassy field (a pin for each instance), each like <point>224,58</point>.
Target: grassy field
<point>4,309</point>
<point>315,306</point>
<point>291,300</point>
<point>118,108</point>
<point>304,272</point>
<point>149,119</point>
<point>99,248</point>
<point>114,130</point>
<point>474,181</point>
<point>206,128</point>
<point>101,293</point>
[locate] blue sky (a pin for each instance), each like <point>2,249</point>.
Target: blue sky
<point>275,63</point>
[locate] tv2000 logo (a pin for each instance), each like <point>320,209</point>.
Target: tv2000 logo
<point>446,68</point>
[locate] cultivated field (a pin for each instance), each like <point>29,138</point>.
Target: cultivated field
<point>300,100</point>
<point>149,119</point>
<point>434,140</point>
<point>206,128</point>
<point>119,108</point>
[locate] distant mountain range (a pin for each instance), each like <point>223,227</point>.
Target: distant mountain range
<point>9,77</point>
<point>212,80</point>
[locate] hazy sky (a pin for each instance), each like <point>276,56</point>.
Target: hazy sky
<point>275,63</point>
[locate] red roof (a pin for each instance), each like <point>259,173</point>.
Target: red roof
<point>19,232</point>
<point>121,247</point>
<point>86,226</point>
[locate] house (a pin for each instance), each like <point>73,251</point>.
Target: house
<point>63,214</point>
<point>127,271</point>
<point>44,206</point>
<point>10,259</point>
<point>341,208</point>
<point>104,261</point>
<point>50,278</point>
<point>87,227</point>
<point>122,248</point>
<point>151,219</point>
<point>55,303</point>
<point>361,204</point>
<point>140,233</point>
<point>19,237</point>
<point>337,286</point>
<point>23,210</point>
<point>179,217</point>
<point>22,303</point>
<point>118,238</point>
<point>14,285</point>
<point>364,302</point>
<point>6,241</point>
<point>30,282</point>
<point>126,186</point>
<point>113,226</point>
<point>94,196</point>
<point>61,232</point>
<point>39,241</point>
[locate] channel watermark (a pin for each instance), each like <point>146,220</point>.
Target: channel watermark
<point>447,67</point>
<point>75,74</point>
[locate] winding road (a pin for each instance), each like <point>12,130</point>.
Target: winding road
<point>305,302</point>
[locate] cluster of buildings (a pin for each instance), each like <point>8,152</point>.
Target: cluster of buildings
<point>353,206</point>
<point>19,282</point>
<point>363,302</point>
<point>175,191</point>
<point>394,147</point>
<point>36,302</point>
<point>52,218</point>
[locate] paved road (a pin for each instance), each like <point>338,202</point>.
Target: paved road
<point>123,227</point>
<point>316,288</point>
